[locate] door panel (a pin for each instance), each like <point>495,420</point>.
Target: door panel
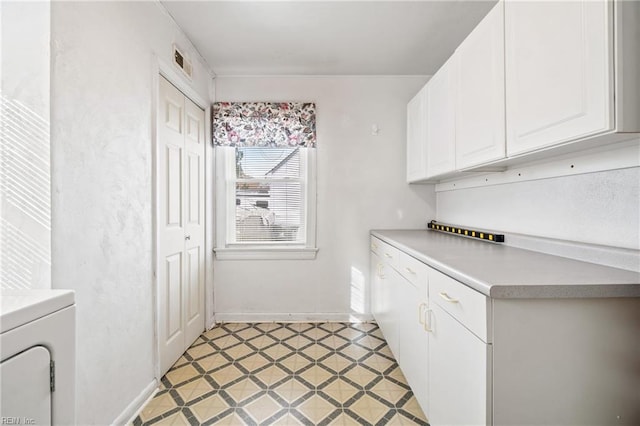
<point>174,186</point>
<point>173,112</point>
<point>193,184</point>
<point>193,283</point>
<point>173,291</point>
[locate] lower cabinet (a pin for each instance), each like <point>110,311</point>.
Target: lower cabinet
<point>459,388</point>
<point>475,360</point>
<point>426,318</point>
<point>400,306</point>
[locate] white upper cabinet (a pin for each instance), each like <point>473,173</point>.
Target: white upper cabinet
<point>559,67</point>
<point>440,106</point>
<point>533,80</point>
<point>480,106</point>
<point>416,138</point>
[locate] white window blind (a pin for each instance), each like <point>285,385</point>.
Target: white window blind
<point>268,190</point>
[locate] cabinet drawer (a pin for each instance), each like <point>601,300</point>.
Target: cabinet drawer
<point>414,271</point>
<point>376,245</point>
<point>466,305</point>
<point>388,254</point>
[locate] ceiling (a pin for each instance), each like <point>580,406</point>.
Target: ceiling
<point>327,37</point>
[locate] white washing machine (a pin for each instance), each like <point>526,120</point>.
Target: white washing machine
<point>37,368</point>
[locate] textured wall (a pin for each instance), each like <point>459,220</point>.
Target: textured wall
<point>361,185</point>
<point>102,189</point>
<point>25,172</point>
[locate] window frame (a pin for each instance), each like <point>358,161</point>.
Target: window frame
<point>225,213</point>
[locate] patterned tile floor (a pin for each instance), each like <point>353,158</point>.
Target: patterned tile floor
<point>285,374</point>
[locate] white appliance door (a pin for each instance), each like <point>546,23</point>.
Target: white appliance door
<point>26,393</point>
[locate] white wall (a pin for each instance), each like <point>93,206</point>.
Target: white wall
<point>25,176</point>
<point>597,208</point>
<point>361,186</point>
<point>102,86</point>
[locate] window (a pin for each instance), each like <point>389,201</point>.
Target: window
<point>265,157</point>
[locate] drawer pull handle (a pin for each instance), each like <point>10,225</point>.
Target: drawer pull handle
<point>446,297</point>
<point>420,307</point>
<point>427,323</point>
<point>388,255</point>
<point>411,271</point>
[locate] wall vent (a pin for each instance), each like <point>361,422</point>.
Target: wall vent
<point>182,62</point>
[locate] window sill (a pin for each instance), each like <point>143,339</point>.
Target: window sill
<point>270,253</point>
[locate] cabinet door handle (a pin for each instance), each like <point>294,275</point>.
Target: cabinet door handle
<point>379,267</point>
<point>411,271</point>
<point>427,327</point>
<point>448,298</point>
<point>420,306</point>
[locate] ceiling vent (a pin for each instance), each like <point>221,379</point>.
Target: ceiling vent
<point>182,62</point>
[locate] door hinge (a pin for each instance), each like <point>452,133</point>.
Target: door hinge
<point>52,376</point>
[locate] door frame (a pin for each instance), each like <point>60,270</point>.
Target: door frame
<point>159,68</point>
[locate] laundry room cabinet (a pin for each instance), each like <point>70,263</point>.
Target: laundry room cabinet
<point>509,336</point>
<point>533,80</point>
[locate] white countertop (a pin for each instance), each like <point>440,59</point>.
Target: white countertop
<point>500,271</point>
<point>18,307</point>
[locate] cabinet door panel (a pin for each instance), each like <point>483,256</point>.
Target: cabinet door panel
<point>390,311</point>
<point>458,373</point>
<point>480,107</point>
<point>376,270</point>
<point>440,106</point>
<point>416,137</point>
<point>414,342</point>
<point>558,72</point>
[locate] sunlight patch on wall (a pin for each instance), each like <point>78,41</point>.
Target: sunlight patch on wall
<point>25,197</point>
<point>358,293</point>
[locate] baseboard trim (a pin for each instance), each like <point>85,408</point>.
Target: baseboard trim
<point>131,412</point>
<point>292,317</point>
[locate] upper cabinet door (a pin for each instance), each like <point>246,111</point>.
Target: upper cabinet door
<point>440,105</point>
<point>480,106</point>
<point>416,143</point>
<point>558,72</point>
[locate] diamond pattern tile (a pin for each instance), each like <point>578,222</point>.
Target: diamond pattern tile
<point>285,374</point>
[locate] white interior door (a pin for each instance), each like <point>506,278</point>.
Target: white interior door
<point>180,223</point>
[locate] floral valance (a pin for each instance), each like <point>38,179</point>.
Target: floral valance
<point>282,124</point>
